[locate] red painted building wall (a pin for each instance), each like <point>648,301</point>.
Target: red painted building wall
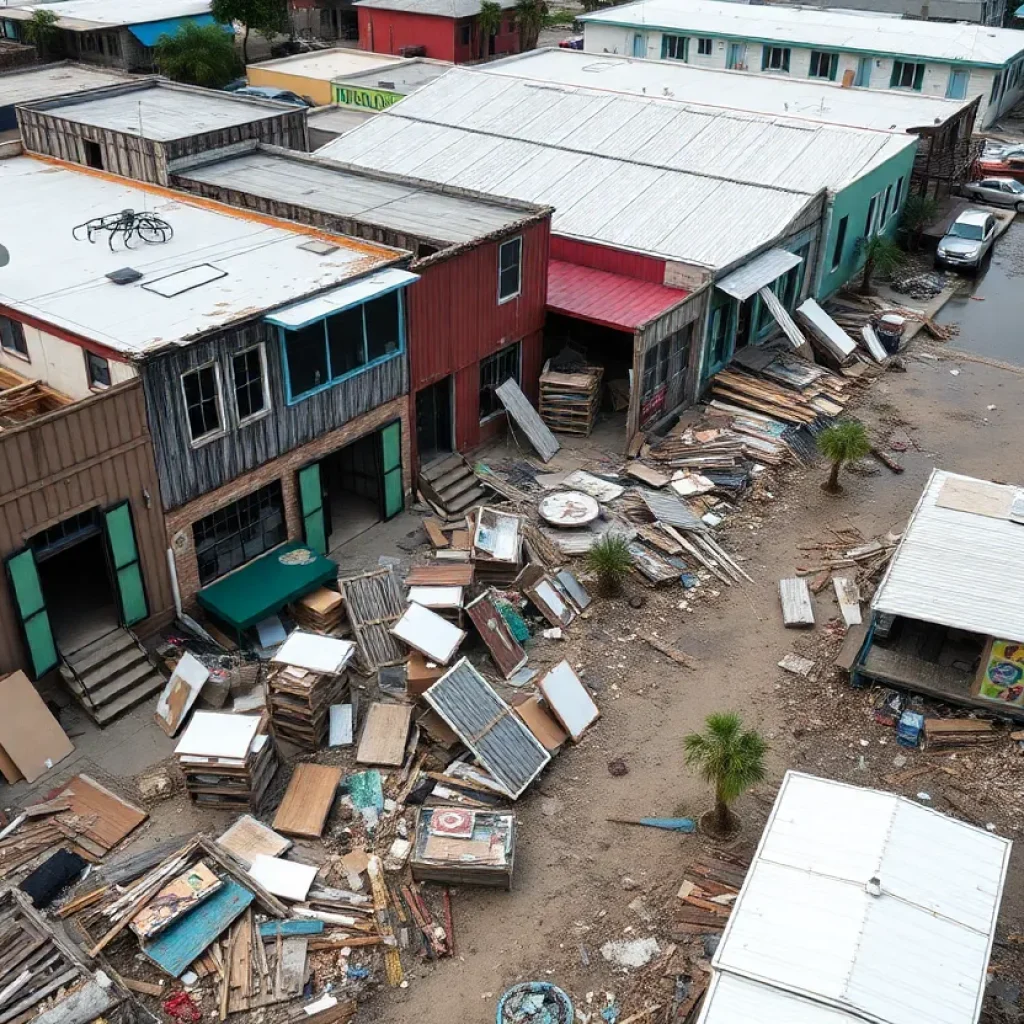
<point>384,31</point>
<point>455,320</point>
<point>613,261</point>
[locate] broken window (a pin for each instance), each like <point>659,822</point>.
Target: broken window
<point>494,371</point>
<point>12,337</point>
<point>97,369</point>
<point>201,390</point>
<point>509,268</point>
<point>247,368</point>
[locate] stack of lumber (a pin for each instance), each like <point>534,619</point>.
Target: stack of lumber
<point>848,549</point>
<point>569,402</point>
<point>299,702</point>
<point>710,887</point>
<point>322,611</point>
<point>749,392</point>
<point>789,391</point>
<point>951,733</point>
<point>22,399</point>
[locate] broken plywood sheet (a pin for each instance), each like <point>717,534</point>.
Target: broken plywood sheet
<point>109,817</point>
<point>797,610</point>
<point>177,898</point>
<point>848,596</point>
<point>30,736</point>
<point>445,598</point>
<point>308,800</point>
<point>325,655</point>
<point>568,700</point>
<point>980,497</point>
<point>518,407</point>
<point>430,634</point>
<point>826,332</point>
<point>646,475</point>
<point>435,575</point>
<point>494,631</point>
<point>284,878</point>
<point>541,723</point>
<point>180,693</point>
<point>384,734</point>
<point>249,838</point>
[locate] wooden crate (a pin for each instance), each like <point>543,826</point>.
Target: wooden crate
<point>569,402</point>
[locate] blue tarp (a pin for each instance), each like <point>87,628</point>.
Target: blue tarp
<point>149,32</point>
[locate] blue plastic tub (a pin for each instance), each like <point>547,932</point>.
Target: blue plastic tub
<point>514,1008</point>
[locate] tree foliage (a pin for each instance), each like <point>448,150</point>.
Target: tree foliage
<point>530,16</point>
<point>40,29</point>
<point>918,212</point>
<point>488,23</point>
<point>881,256</point>
<point>268,17</point>
<point>729,758</point>
<point>842,443</point>
<point>198,55</point>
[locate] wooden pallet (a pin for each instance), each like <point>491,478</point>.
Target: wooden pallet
<point>569,402</point>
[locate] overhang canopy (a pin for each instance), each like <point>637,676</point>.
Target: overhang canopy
<point>150,32</point>
<point>266,584</point>
<point>612,300</point>
<point>299,314</point>
<point>767,267</point>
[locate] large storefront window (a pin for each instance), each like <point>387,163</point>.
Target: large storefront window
<point>233,535</point>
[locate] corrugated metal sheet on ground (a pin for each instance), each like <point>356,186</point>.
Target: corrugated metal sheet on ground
<point>762,270</point>
<point>527,419</point>
<point>782,317</point>
<point>957,569</point>
<point>667,508</point>
<point>609,299</point>
<point>488,726</point>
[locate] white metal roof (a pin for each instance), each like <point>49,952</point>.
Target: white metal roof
<point>85,14</point>
<point>800,26</point>
<point>743,283</point>
<point>62,281</point>
<point>45,81</point>
<point>405,77</point>
<point>438,8</point>
<point>806,925</point>
<point>325,65</point>
<point>774,95</point>
<point>958,569</point>
<point>162,111</point>
<point>734,1000</point>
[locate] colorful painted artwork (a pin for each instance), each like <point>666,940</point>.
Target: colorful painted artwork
<point>1003,676</point>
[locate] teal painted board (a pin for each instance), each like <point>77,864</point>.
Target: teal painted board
<point>286,929</point>
<point>187,938</point>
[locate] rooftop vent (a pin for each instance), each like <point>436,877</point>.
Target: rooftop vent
<point>321,248</point>
<point>126,275</point>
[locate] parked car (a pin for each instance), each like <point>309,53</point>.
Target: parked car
<point>268,92</point>
<point>997,191</point>
<point>968,240</point>
<point>1007,163</point>
<point>572,43</point>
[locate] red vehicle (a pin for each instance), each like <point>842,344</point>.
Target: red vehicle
<point>1008,163</point>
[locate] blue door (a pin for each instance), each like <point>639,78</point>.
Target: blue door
<point>737,58</point>
<point>956,87</point>
<point>863,78</point>
<point>639,45</point>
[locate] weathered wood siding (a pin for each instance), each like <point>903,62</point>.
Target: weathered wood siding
<point>186,472</point>
<point>94,453</point>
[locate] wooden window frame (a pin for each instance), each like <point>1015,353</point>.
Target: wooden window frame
<point>264,384</point>
<point>212,435</point>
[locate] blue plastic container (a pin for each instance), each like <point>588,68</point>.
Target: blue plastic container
<point>556,1008</point>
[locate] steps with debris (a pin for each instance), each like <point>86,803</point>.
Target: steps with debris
<point>451,486</point>
<point>111,675</point>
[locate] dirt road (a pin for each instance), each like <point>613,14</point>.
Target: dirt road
<point>576,872</point>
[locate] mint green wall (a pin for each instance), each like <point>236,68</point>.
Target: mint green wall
<point>853,201</point>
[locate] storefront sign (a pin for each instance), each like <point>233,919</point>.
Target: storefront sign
<point>653,404</point>
<point>1002,676</point>
<point>364,99</point>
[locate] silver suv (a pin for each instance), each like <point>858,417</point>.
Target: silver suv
<point>968,240</point>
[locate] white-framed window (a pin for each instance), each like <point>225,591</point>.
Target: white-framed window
<point>823,64</point>
<point>249,379</point>
<point>97,371</point>
<point>775,58</point>
<point>675,47</point>
<point>204,409</point>
<point>510,268</point>
<point>12,338</point>
<point>495,369</point>
<point>704,46</point>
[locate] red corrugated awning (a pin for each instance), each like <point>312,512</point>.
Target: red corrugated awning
<point>612,300</point>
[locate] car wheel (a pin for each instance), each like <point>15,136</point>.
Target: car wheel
<point>1020,207</point>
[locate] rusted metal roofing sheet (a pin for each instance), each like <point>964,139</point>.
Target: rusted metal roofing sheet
<point>498,738</point>
<point>613,300</point>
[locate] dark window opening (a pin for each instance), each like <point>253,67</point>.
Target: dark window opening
<point>465,34</point>
<point>239,532</point>
<point>906,75</point>
<point>202,401</point>
<point>509,268</point>
<point>869,221</point>
<point>93,154</point>
<point>704,46</point>
<point>345,341</point>
<point>247,370</point>
<point>383,333</point>
<point>674,47</point>
<point>494,371</point>
<point>12,337</point>
<point>823,64</point>
<point>307,359</point>
<point>775,58</point>
<point>837,252</point>
<point>424,249</point>
<point>97,369</point>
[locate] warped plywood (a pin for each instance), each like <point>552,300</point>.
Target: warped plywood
<point>384,734</point>
<point>30,736</point>
<point>308,800</point>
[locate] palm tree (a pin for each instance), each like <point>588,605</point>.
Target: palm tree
<point>842,443</point>
<point>609,559</point>
<point>487,23</point>
<point>40,29</point>
<point>880,254</point>
<point>918,212</point>
<point>199,55</point>
<point>729,758</point>
<point>530,19</point>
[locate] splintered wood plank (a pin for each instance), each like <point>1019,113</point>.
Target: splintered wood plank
<point>248,838</point>
<point>797,610</point>
<point>110,818</point>
<point>384,734</point>
<point>308,800</point>
<point>848,596</point>
<point>293,965</point>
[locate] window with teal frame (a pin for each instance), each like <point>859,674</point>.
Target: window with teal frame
<point>321,354</point>
<point>675,47</point>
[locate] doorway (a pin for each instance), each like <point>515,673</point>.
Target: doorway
<point>434,420</point>
<point>93,154</point>
<point>744,323</point>
<point>352,496</point>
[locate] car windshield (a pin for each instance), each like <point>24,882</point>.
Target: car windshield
<point>975,232</point>
<point>1014,186</point>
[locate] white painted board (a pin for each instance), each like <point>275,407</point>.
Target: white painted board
<point>437,597</point>
<point>828,333</point>
<point>283,878</point>
<point>797,609</point>
<point>873,344</point>
<point>425,631</point>
<point>324,654</point>
<point>569,700</point>
<point>341,726</point>
<point>218,734</point>
<point>551,597</point>
<point>192,673</point>
<point>602,490</point>
<point>848,596</point>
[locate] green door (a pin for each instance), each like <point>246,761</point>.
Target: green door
<point>124,556</point>
<point>311,502</point>
<point>391,465</point>
<point>31,609</point>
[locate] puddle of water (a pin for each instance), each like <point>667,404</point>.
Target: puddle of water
<point>993,327</point>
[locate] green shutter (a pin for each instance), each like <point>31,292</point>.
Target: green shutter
<point>833,66</point>
<point>124,555</point>
<point>311,502</point>
<point>391,466</point>
<point>765,51</point>
<point>31,609</point>
<point>897,70</point>
<point>918,76</point>
<point>785,59</point>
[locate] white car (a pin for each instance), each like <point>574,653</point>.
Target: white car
<point>997,191</point>
<point>968,240</point>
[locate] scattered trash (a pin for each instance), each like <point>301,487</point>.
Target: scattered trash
<point>631,953</point>
<point>534,1002</point>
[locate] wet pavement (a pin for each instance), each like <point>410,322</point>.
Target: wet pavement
<point>990,308</point>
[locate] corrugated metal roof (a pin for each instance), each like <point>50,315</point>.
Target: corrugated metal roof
<point>437,8</point>
<point>958,569</point>
<point>743,283</point>
<point>805,923</point>
<point>733,1000</point>
<point>614,300</point>
<point>488,726</point>
<point>808,99</point>
<point>48,80</point>
<point>930,40</point>
<point>79,15</point>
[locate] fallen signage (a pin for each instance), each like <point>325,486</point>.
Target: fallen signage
<point>494,631</point>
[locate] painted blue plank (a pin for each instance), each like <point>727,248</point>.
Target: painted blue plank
<point>271,929</point>
<point>186,939</point>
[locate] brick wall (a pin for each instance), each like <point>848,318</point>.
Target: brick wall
<point>179,522</point>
